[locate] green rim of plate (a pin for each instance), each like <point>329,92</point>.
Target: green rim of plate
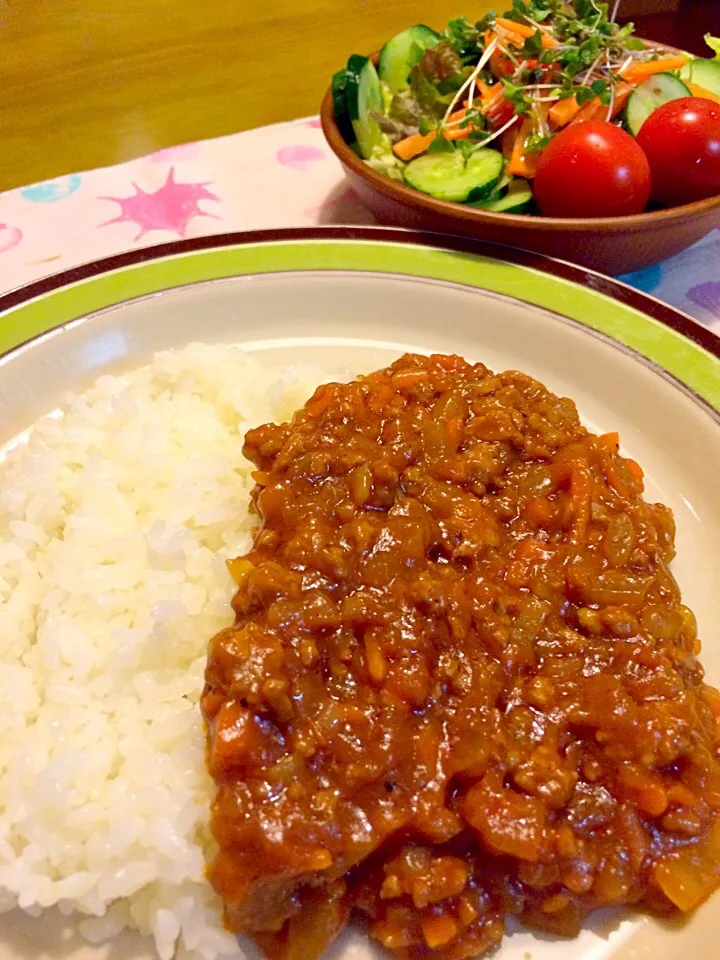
<point>688,362</point>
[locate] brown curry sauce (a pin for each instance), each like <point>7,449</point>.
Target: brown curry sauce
<point>461,683</point>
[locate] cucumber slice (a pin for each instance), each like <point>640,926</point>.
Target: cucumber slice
<point>703,73</point>
<point>340,107</point>
<point>403,52</point>
<point>448,176</point>
<point>487,167</point>
<point>499,189</point>
<point>363,94</point>
<point>517,199</point>
<point>651,94</point>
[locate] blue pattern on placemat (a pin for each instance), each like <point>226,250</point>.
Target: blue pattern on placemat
<point>52,190</point>
<point>646,280</point>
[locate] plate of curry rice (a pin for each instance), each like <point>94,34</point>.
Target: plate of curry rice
<point>359,598</point>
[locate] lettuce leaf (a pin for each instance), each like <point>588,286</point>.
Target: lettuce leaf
<point>714,44</point>
<point>384,161</point>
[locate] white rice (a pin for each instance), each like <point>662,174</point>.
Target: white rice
<point>115,519</point>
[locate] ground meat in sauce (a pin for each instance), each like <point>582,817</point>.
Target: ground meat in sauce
<point>461,683</point>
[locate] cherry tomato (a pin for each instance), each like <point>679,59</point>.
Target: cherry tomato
<point>681,140</point>
<point>592,169</point>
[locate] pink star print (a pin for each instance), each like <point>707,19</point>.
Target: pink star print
<point>172,207</point>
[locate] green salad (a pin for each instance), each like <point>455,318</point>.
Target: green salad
<point>539,110</point>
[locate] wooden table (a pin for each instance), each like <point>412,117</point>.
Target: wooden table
<point>87,83</point>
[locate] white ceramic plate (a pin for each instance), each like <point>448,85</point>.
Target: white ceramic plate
<point>357,299</point>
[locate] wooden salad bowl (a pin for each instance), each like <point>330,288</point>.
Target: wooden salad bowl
<point>611,245</point>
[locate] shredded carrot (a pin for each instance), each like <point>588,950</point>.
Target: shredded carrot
<point>493,103</point>
<point>516,574</point>
<point>523,31</point>
<point>614,470</point>
<point>497,110</point>
<point>622,93</point>
<point>713,699</point>
<point>459,133</point>
<point>520,28</point>
<point>418,143</point>
<point>698,91</point>
<point>320,401</point>
<point>530,551</point>
<point>538,511</point>
<point>569,111</point>
<point>408,378</point>
<point>645,789</point>
<point>517,154</point>
<point>413,145</point>
<point>611,441</point>
<point>560,474</point>
<point>580,496</point>
<point>678,793</point>
<point>636,471</point>
<point>233,739</point>
<point>613,474</point>
<point>562,112</point>
<point>458,115</point>
<point>375,661</point>
<point>483,88</point>
<point>454,427</point>
<point>490,94</point>
<point>449,362</point>
<point>641,71</point>
<point>592,110</point>
<point>382,395</point>
<point>523,164</point>
<point>508,140</point>
<point>211,703</point>
<point>653,799</point>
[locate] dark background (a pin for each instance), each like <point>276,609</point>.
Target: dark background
<point>683,28</point>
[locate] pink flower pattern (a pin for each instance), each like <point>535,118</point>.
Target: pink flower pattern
<point>185,151</point>
<point>9,237</point>
<point>172,207</point>
<point>299,156</point>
